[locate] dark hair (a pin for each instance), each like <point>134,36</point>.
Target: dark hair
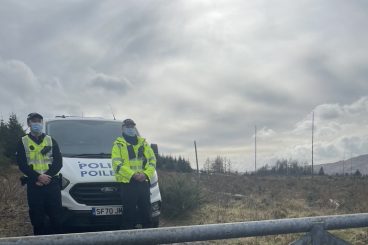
<point>34,115</point>
<point>128,122</point>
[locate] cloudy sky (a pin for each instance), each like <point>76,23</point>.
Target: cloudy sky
<point>197,70</point>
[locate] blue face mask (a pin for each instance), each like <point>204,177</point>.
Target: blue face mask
<point>36,128</point>
<point>130,132</point>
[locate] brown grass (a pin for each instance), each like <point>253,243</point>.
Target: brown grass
<point>275,198</point>
<point>13,205</point>
<point>263,198</point>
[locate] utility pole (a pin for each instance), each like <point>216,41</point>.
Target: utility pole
<point>112,112</point>
<point>343,165</point>
<point>351,163</point>
<point>312,142</point>
<point>195,149</point>
<point>255,149</point>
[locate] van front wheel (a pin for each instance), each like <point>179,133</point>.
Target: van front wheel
<point>155,222</point>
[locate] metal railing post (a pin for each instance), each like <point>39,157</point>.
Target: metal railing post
<point>209,232</point>
<point>317,234</point>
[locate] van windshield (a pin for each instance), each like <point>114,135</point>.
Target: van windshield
<point>84,138</point>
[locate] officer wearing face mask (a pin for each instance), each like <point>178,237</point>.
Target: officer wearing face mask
<point>134,164</point>
<point>39,158</point>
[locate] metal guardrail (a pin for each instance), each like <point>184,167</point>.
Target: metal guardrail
<point>316,226</point>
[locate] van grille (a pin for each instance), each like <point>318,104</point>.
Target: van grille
<point>104,193</point>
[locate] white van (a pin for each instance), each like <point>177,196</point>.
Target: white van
<point>90,194</point>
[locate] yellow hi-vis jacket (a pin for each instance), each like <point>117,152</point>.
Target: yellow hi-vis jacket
<point>128,159</point>
<point>39,162</point>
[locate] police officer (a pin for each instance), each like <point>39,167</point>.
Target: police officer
<point>39,158</point>
<point>134,164</point>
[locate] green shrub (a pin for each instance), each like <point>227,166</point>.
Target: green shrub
<point>4,161</point>
<point>180,195</point>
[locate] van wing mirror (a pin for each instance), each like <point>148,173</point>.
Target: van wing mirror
<point>155,149</point>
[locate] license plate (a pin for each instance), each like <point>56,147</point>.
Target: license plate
<point>97,211</point>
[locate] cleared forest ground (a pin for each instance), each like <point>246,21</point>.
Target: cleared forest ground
<point>230,198</point>
<point>234,198</point>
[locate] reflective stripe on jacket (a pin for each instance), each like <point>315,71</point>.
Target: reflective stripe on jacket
<point>39,162</point>
<point>128,159</point>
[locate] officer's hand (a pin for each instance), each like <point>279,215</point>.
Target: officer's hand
<point>44,179</point>
<point>141,177</point>
<point>136,176</point>
<point>39,183</point>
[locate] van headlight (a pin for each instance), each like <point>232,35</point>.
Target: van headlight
<point>156,206</point>
<point>64,183</point>
<point>154,184</point>
<point>154,180</point>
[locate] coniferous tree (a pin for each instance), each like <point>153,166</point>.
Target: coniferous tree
<point>3,130</point>
<point>14,131</point>
<point>357,173</point>
<point>285,167</point>
<point>173,164</point>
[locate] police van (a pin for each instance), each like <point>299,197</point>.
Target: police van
<point>90,194</point>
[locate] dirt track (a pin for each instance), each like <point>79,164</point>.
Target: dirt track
<point>13,205</point>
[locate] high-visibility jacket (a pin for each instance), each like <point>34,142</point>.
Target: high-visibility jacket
<point>128,159</point>
<point>39,162</point>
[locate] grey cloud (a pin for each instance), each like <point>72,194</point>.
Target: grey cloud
<point>67,109</point>
<point>329,130</point>
<point>358,107</point>
<point>265,132</point>
<point>328,111</point>
<point>338,112</point>
<point>210,71</point>
<point>354,145</point>
<point>257,92</point>
<point>17,80</point>
<point>328,81</point>
<point>110,83</point>
<point>326,151</point>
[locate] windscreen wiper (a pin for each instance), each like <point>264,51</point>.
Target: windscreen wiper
<point>86,155</point>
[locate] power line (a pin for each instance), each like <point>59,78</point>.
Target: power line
<point>255,148</point>
<point>312,142</point>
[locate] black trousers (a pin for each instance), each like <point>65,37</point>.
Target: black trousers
<point>45,201</point>
<point>136,200</point>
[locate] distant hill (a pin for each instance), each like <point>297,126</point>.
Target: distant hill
<point>347,166</point>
